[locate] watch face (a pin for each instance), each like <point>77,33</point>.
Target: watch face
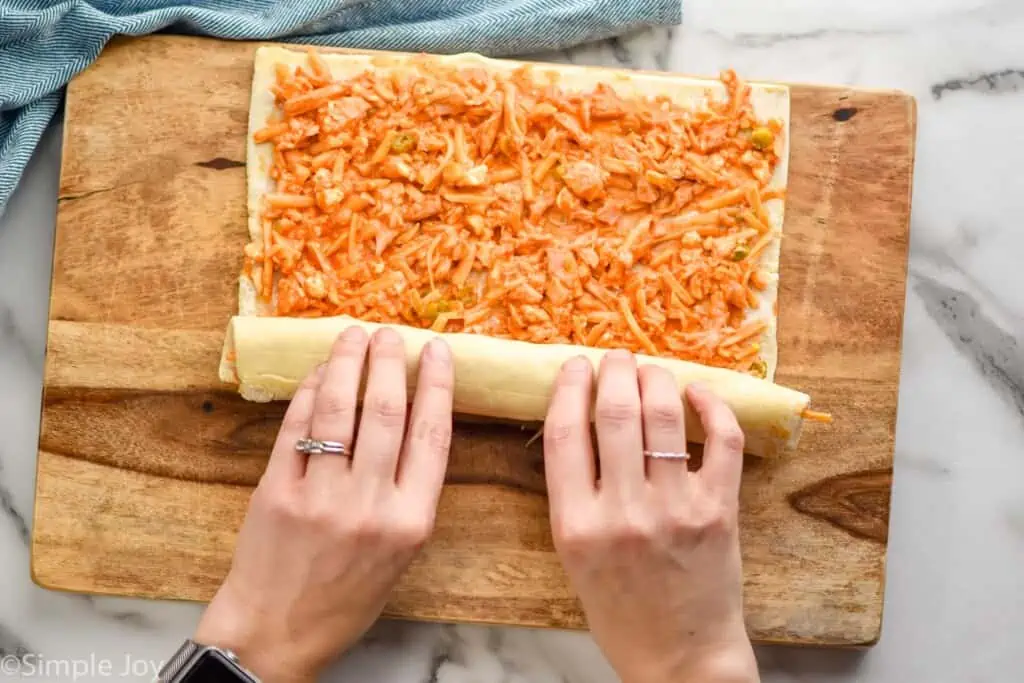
<point>214,667</point>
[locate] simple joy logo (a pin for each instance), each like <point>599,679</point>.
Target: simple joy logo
<point>32,665</point>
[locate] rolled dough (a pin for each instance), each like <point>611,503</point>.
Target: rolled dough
<point>498,378</point>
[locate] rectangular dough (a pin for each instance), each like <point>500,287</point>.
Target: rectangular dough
<point>768,100</point>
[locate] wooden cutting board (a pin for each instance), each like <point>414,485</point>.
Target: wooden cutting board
<point>146,461</point>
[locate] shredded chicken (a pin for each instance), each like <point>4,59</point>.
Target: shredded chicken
<point>458,199</point>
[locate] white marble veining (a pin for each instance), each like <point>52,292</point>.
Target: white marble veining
<point>955,597</point>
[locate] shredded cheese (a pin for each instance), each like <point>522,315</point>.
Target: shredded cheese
<point>457,199</point>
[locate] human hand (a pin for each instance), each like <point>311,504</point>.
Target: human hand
<point>326,537</point>
<point>651,549</point>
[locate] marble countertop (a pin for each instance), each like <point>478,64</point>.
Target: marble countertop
<point>955,597</point>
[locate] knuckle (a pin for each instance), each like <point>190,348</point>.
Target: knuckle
<point>434,377</point>
<point>618,411</point>
<point>439,437</point>
<point>711,520</point>
<point>371,531</point>
<point>622,536</point>
<point>682,524</point>
<point>310,381</point>
<point>436,435</point>
<point>722,519</point>
<point>730,436</point>
<point>573,549</point>
<point>635,528</point>
<point>557,435</point>
<point>275,501</point>
<point>332,405</point>
<point>628,530</point>
<point>664,414</point>
<point>322,516</point>
<point>387,410</point>
<point>574,537</point>
<point>366,529</point>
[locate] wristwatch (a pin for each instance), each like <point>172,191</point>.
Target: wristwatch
<point>196,663</point>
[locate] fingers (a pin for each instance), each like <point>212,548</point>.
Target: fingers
<point>287,464</point>
<point>382,427</point>
<point>664,427</point>
<point>334,411</point>
<point>620,440</point>
<point>568,453</point>
<point>723,446</point>
<point>425,458</point>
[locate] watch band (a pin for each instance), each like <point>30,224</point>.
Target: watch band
<point>178,660</point>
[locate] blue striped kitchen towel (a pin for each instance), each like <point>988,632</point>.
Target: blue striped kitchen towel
<point>43,43</point>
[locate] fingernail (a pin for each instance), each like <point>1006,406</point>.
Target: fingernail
<point>436,350</point>
<point>386,335</point>
<point>699,387</point>
<point>353,333</point>
<point>320,369</point>
<point>576,364</point>
<point>619,354</point>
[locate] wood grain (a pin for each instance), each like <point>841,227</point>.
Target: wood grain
<point>146,461</point>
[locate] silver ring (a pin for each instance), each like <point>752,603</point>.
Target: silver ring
<point>667,455</point>
<point>317,447</point>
